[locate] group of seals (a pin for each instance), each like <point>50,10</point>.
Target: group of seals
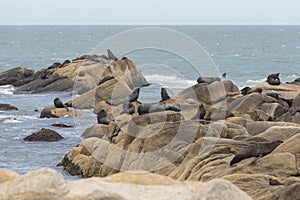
<point>255,150</point>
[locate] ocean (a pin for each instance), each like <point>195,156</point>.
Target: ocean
<point>246,53</point>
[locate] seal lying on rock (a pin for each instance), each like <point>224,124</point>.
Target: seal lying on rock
<point>102,117</point>
<point>59,104</point>
<point>208,80</point>
<point>257,150</point>
<point>200,113</point>
<point>248,90</point>
<point>273,79</point>
<point>164,94</point>
<point>156,107</point>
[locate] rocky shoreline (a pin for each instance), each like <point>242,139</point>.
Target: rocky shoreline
<point>249,138</point>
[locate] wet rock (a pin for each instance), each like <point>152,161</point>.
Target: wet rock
<point>46,135</point>
<point>15,75</point>
<point>58,112</point>
<point>61,125</point>
<point>5,107</point>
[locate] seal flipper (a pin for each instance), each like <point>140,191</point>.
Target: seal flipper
<point>256,158</point>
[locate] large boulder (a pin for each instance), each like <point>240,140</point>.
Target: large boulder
<point>46,135</point>
<point>49,184</point>
<point>15,76</point>
<point>58,112</point>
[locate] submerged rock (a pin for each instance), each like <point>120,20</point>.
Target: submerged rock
<point>5,107</point>
<point>46,135</point>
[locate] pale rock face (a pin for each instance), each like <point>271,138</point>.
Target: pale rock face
<point>49,184</point>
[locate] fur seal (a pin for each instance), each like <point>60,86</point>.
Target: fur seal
<point>110,55</point>
<point>200,113</point>
<point>54,65</point>
<point>257,150</point>
<point>59,104</point>
<point>127,106</point>
<point>224,75</point>
<point>102,117</point>
<point>273,79</point>
<point>208,80</point>
<point>164,94</point>
<point>156,107</point>
<point>248,90</point>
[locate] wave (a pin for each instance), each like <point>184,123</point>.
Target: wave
<point>9,120</point>
<point>256,81</point>
<point>170,81</point>
<point>7,89</point>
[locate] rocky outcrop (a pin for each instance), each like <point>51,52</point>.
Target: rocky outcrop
<point>49,184</point>
<point>80,75</point>
<point>177,145</point>
<point>46,135</point>
<point>58,112</point>
<point>5,107</point>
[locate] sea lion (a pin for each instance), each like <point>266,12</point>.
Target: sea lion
<point>273,79</point>
<point>208,80</point>
<point>156,107</point>
<point>164,94</point>
<point>127,106</point>
<point>245,90</point>
<point>54,65</point>
<point>111,56</point>
<point>129,110</point>
<point>64,63</point>
<point>257,150</point>
<point>102,117</point>
<point>59,104</point>
<point>224,75</point>
<point>200,113</point>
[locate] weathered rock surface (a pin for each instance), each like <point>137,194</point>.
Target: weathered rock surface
<point>49,184</point>
<point>81,75</point>
<point>58,112</point>
<point>46,135</point>
<point>5,107</point>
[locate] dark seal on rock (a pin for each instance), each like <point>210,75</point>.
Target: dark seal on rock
<point>257,150</point>
<point>102,117</point>
<point>127,106</point>
<point>110,55</point>
<point>59,104</point>
<point>47,135</point>
<point>164,94</point>
<point>273,79</point>
<point>208,80</point>
<point>156,107</point>
<point>200,113</point>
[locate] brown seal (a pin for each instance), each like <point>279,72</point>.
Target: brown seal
<point>257,150</point>
<point>273,79</point>
<point>164,94</point>
<point>102,117</point>
<point>59,104</point>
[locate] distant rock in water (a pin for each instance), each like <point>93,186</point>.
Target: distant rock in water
<point>4,107</point>
<point>61,125</point>
<point>208,80</point>
<point>46,135</point>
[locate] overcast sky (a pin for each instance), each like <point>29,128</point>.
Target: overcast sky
<point>149,12</point>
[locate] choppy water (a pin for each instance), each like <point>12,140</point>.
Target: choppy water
<point>247,53</point>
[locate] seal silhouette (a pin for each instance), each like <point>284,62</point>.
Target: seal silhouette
<point>102,117</point>
<point>273,79</point>
<point>164,94</point>
<point>59,104</point>
<point>200,113</point>
<point>257,150</point>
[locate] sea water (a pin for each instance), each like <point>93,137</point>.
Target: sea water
<point>246,53</point>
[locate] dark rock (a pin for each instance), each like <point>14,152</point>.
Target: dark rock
<point>46,135</point>
<point>13,76</point>
<point>7,107</point>
<point>61,125</point>
<point>208,80</point>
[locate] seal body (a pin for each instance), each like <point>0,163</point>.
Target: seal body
<point>102,117</point>
<point>273,79</point>
<point>156,107</point>
<point>164,94</point>
<point>200,113</point>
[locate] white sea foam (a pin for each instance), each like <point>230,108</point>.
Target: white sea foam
<point>170,81</point>
<point>255,81</point>
<point>292,76</point>
<point>7,89</point>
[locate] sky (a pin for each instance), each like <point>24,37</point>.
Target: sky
<point>153,12</point>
